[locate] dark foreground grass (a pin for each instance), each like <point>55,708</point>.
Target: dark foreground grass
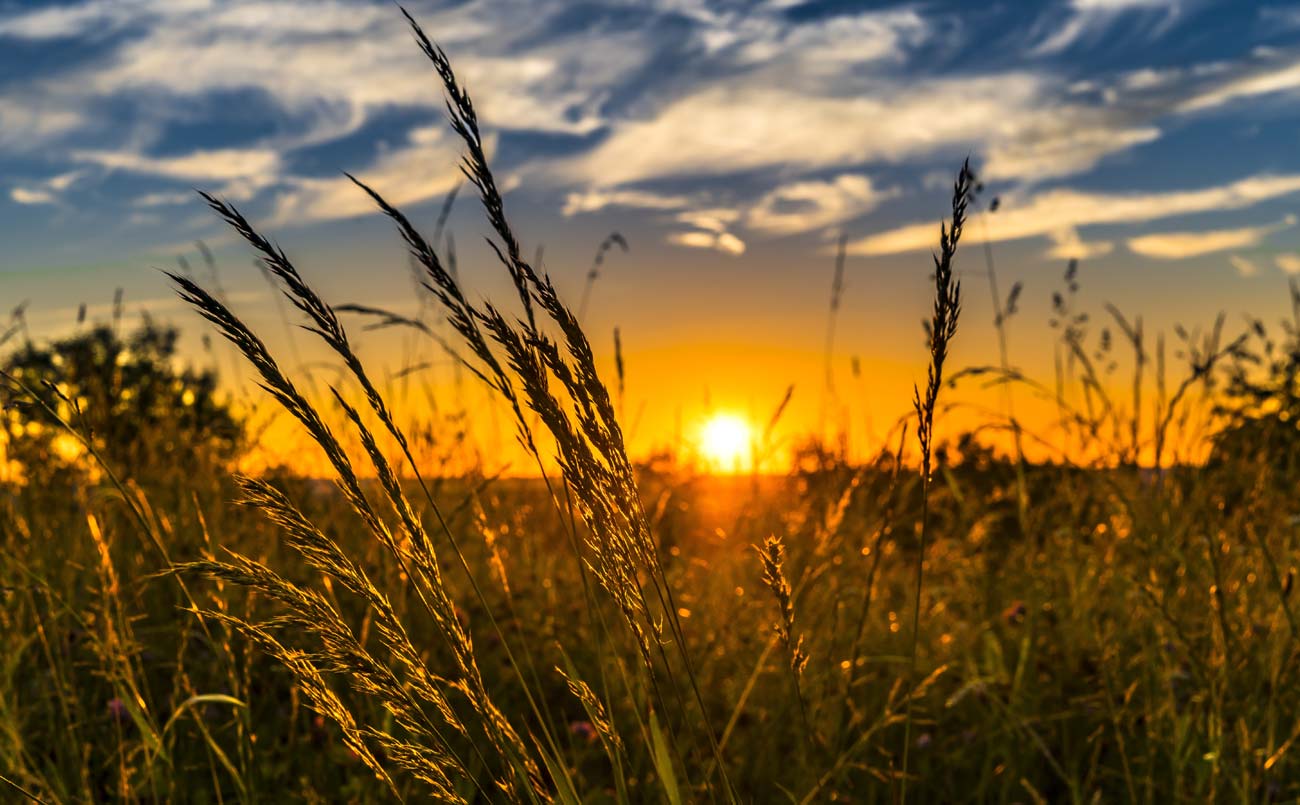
<point>1135,645</point>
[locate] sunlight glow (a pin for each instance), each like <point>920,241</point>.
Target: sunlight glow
<point>725,442</point>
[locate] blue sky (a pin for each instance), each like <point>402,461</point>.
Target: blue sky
<point>730,141</point>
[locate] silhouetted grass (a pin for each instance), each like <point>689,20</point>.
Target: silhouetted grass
<point>1113,625</point>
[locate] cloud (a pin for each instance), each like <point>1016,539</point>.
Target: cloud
<point>804,206</point>
<point>333,65</point>
<point>47,191</point>
<point>1179,245</point>
<point>1067,245</point>
<point>819,47</point>
<point>164,199</point>
<point>1028,125</point>
<point>28,120</point>
<point>597,199</point>
<point>1060,147</point>
<point>1243,266</point>
<point>716,219</point>
<point>67,21</point>
<point>1124,5</point>
<point>24,195</point>
<point>318,71</point>
<point>425,167</point>
<point>1089,19</point>
<point>1052,211</point>
<point>728,128</point>
<point>724,242</point>
<point>1290,263</point>
<point>1262,80</point>
<point>222,165</point>
<point>710,230</point>
<point>806,107</point>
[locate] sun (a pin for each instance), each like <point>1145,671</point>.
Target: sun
<point>726,442</point>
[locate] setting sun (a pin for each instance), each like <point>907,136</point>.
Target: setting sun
<point>725,442</point>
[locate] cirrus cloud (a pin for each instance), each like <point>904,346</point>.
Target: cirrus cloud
<point>804,206</point>
<point>1052,211</point>
<point>1179,245</point>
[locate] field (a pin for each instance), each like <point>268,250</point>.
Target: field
<point>945,622</point>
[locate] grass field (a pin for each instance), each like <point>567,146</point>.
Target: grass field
<point>942,623</point>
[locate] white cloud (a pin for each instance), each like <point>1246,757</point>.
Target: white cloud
<point>803,206</point>
<point>325,68</point>
<point>728,128</point>
<point>420,170</point>
<point>1124,5</point>
<point>24,195</point>
<point>1179,245</point>
<point>222,165</point>
<point>98,16</point>
<point>164,199</point>
<point>1055,210</point>
<point>1060,147</point>
<point>710,230</point>
<point>821,47</point>
<point>29,119</point>
<point>724,242</point>
<point>1290,263</point>
<point>1089,19</point>
<point>1273,78</point>
<point>828,95</point>
<point>1243,266</point>
<point>1066,245</point>
<point>47,191</point>
<point>333,65</point>
<point>597,199</point>
<point>716,219</point>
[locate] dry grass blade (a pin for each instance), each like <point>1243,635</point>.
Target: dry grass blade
<point>942,328</point>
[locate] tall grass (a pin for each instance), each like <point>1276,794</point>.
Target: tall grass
<point>941,330</point>
<point>1114,625</point>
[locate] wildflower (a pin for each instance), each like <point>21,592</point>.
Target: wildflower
<point>1015,613</point>
<point>117,709</point>
<point>584,730</point>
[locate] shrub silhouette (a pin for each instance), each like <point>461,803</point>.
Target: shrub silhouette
<point>126,394</point>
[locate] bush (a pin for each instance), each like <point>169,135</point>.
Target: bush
<point>125,394</point>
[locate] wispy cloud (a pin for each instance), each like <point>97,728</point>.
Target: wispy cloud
<point>1265,79</point>
<point>800,109</point>
<point>1053,211</point>
<point>1244,266</point>
<point>1290,263</point>
<point>710,231</point>
<point>425,167</point>
<point>225,164</point>
<point>1088,19</point>
<point>164,199</point>
<point>1179,245</point>
<point>597,199</point>
<point>24,195</point>
<point>727,129</point>
<point>804,206</point>
<point>1066,245</point>
<point>724,242</point>
<point>320,71</point>
<point>28,120</point>
<point>47,191</point>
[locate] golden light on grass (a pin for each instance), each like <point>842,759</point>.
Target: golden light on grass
<point>725,441</point>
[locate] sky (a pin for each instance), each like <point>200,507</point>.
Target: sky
<point>730,143</point>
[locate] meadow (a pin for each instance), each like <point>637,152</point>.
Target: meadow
<point>1099,613</point>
